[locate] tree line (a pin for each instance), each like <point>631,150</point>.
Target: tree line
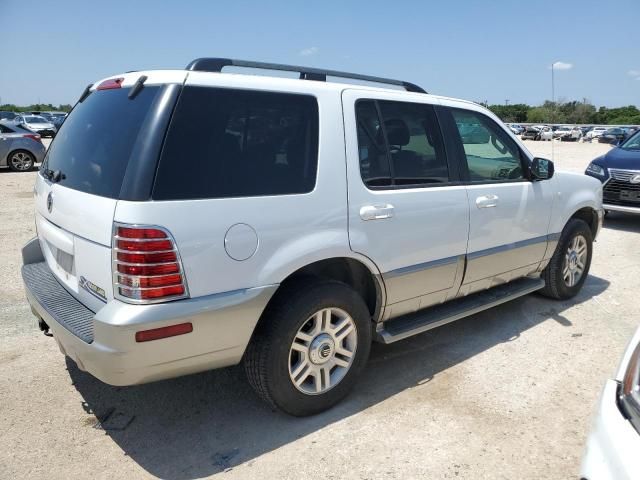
<point>36,107</point>
<point>566,112</point>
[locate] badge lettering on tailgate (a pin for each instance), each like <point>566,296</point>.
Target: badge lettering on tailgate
<point>93,289</point>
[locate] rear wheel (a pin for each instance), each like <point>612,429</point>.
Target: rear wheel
<point>310,347</point>
<point>568,268</point>
<point>21,161</point>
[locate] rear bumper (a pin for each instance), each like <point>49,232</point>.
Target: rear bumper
<point>613,445</point>
<point>103,342</point>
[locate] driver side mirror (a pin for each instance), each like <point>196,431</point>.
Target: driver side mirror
<point>541,169</point>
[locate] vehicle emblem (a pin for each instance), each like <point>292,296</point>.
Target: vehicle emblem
<point>49,202</point>
<point>325,350</point>
<point>635,179</point>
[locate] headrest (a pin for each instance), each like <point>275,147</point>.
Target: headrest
<point>397,132</point>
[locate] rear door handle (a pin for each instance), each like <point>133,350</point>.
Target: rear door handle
<point>376,212</point>
<point>487,201</point>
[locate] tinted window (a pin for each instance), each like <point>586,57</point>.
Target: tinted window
<point>4,129</point>
<point>490,153</point>
<point>93,146</point>
<point>402,148</point>
<point>372,150</point>
<point>414,142</point>
<point>235,143</point>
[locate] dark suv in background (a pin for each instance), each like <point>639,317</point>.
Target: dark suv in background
<point>619,171</point>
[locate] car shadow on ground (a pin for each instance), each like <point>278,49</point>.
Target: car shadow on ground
<point>625,222</point>
<point>203,424</point>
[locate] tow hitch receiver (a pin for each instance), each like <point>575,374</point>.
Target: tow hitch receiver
<point>44,327</point>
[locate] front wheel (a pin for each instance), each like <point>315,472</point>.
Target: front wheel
<point>309,348</point>
<point>568,268</point>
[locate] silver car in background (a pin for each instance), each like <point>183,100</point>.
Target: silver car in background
<point>20,149</point>
<point>37,124</point>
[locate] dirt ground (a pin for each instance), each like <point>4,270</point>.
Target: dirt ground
<point>508,393</point>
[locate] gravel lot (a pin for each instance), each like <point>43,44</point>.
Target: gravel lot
<point>508,393</point>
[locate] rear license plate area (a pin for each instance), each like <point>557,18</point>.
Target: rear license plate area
<point>64,260</point>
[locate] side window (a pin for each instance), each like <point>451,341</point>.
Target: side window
<point>491,155</point>
<point>372,150</point>
<point>414,142</point>
<point>402,148</point>
<point>239,143</point>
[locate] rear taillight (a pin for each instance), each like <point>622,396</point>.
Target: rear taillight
<point>37,138</point>
<point>146,265</point>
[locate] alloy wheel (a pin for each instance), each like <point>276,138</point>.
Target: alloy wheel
<point>322,351</point>
<point>575,260</point>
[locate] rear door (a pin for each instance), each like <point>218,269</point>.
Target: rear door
<point>5,141</point>
<point>407,210</point>
<point>508,214</point>
<point>82,178</point>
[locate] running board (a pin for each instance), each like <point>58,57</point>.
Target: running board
<point>433,317</point>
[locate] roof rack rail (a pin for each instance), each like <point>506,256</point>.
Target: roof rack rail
<point>306,73</point>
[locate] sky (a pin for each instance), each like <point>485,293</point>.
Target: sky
<point>495,51</point>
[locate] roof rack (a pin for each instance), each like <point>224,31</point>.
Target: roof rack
<point>306,73</point>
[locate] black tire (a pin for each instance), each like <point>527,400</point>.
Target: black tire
<point>555,285</point>
<point>25,167</point>
<point>266,360</point>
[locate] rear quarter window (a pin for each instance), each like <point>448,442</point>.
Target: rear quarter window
<point>238,143</point>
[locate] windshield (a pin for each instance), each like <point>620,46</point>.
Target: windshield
<point>94,144</point>
<point>632,143</point>
<point>33,119</point>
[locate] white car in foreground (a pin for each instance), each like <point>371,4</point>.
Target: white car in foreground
<point>614,443</point>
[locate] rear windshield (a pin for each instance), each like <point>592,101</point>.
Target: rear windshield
<point>238,143</point>
<point>93,146</point>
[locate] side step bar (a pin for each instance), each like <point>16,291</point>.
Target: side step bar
<point>433,317</point>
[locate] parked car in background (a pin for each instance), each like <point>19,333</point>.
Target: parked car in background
<point>613,136</point>
<point>530,133</point>
<point>595,132</point>
<point>619,171</point>
<point>37,124</point>
<point>515,128</point>
<point>576,134</point>
<point>546,134</point>
<point>562,133</point>
<point>20,149</point>
<point>614,442</point>
<point>57,118</point>
<point>6,115</point>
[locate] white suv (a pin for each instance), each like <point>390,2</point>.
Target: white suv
<point>193,219</point>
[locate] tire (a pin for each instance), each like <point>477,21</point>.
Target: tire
<point>21,161</point>
<point>562,283</point>
<point>272,363</point>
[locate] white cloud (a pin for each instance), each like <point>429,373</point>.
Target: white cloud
<point>562,66</point>
<point>635,74</point>
<point>305,52</point>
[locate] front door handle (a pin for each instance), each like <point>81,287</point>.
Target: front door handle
<point>376,212</point>
<point>487,201</point>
